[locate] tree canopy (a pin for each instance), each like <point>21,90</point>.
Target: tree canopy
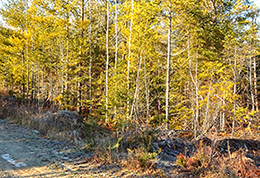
<point>109,59</point>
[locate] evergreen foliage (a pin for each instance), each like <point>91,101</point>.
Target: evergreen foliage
<point>56,51</point>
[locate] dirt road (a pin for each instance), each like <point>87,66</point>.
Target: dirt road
<point>23,153</point>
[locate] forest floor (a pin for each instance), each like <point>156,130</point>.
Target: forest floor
<point>60,144</point>
<point>24,153</point>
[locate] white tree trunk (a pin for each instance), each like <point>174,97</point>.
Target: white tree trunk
<point>107,62</point>
<point>251,85</point>
<point>27,53</point>
<point>235,91</point>
<point>168,72</point>
<point>128,64</point>
<point>254,69</point>
<point>255,84</point>
<point>135,102</point>
<point>90,52</point>
<point>206,120</point>
<point>195,82</point>
<point>116,52</point>
<point>147,95</point>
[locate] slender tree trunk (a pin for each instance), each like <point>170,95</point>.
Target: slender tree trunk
<point>38,92</point>
<point>136,90</point>
<point>27,55</point>
<point>116,53</point>
<point>79,102</point>
<point>27,69</point>
<point>195,82</point>
<point>32,90</point>
<point>23,85</point>
<point>206,120</point>
<point>62,72</point>
<point>129,58</point>
<point>107,63</point>
<point>147,95</point>
<point>197,98</point>
<point>51,88</point>
<point>255,84</point>
<point>248,90</point>
<point>42,86</point>
<point>223,120</point>
<point>251,85</point>
<point>168,71</point>
<point>67,62</point>
<point>235,91</point>
<point>254,69</point>
<point>90,51</point>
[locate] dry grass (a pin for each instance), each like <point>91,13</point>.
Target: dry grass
<point>57,128</point>
<point>132,149</point>
<point>203,164</point>
<point>21,115</point>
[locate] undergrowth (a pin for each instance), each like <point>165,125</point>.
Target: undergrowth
<point>19,112</point>
<point>133,149</point>
<point>204,164</point>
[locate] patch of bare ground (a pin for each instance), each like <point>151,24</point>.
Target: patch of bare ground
<point>61,144</point>
<point>26,153</point>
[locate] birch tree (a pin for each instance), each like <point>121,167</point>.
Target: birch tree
<point>107,59</point>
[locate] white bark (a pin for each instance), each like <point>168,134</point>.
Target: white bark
<point>27,53</point>
<point>23,85</point>
<point>32,90</point>
<point>255,84</point>
<point>90,52</point>
<point>235,91</point>
<point>135,102</point>
<point>42,86</point>
<point>147,95</point>
<point>107,62</point>
<point>206,120</point>
<point>251,84</point>
<point>254,68</point>
<point>63,68</point>
<point>128,64</point>
<point>196,110</point>
<point>116,35</point>
<point>168,72</point>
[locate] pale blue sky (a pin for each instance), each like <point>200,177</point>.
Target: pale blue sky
<point>257,2</point>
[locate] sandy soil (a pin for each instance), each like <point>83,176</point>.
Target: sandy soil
<point>24,153</point>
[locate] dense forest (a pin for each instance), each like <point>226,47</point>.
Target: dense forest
<point>177,64</point>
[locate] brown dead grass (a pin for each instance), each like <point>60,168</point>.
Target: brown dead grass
<point>132,151</point>
<point>24,114</point>
<point>207,162</point>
